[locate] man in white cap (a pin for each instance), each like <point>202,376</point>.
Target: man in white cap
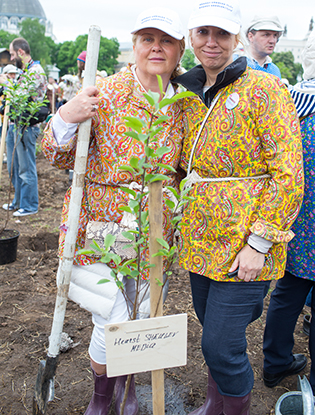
<point>263,35</point>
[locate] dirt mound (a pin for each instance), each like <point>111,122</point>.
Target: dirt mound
<point>40,242</point>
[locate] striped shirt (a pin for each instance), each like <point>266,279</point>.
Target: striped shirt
<point>303,95</point>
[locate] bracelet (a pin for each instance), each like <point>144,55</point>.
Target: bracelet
<point>255,249</point>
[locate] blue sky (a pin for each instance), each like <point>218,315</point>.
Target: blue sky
<point>116,18</point>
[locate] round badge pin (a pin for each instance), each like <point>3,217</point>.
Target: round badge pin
<point>232,101</point>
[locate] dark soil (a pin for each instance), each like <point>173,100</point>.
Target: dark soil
<point>27,298</point>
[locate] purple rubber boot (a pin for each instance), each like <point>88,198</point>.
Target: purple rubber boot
<point>102,395</point>
<point>236,406</point>
<point>131,407</point>
<point>214,400</point>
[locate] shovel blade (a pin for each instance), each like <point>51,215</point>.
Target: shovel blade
<point>44,387</point>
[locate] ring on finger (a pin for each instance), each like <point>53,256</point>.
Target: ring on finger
<point>94,107</point>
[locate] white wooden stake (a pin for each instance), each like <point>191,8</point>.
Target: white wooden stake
<point>75,200</point>
<point>156,273</point>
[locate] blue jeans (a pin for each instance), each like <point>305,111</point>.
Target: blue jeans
<point>286,303</point>
<point>24,173</point>
<point>225,309</point>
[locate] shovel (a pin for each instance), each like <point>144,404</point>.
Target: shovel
<point>44,387</point>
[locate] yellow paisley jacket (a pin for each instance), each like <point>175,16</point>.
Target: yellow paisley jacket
<point>259,135</point>
<point>121,95</point>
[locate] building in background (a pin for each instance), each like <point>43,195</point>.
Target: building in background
<point>293,45</point>
<point>13,12</point>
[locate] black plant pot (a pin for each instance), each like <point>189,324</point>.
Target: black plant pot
<point>8,246</point>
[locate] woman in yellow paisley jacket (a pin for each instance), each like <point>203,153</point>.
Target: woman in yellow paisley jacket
<point>158,47</point>
<point>247,185</point>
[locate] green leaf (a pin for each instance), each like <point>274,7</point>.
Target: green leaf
<point>161,119</point>
<point>133,204</point>
<point>85,252</point>
<point>163,243</point>
<point>134,123</point>
<point>148,151</point>
<point>185,94</point>
<point>185,191</point>
<point>127,168</point>
<point>147,166</point>
<point>109,240</point>
<point>161,252</point>
<point>134,162</point>
<point>115,258</point>
<point>132,134</point>
<point>170,203</point>
<point>129,191</point>
<point>167,167</point>
<point>105,259</point>
<point>177,218</point>
<point>94,245</point>
<point>127,235</point>
<point>162,150</point>
<point>158,282</point>
<point>182,184</point>
<point>154,98</point>
<point>159,177</point>
<point>189,198</point>
<point>120,284</point>
<point>103,281</point>
<point>149,99</point>
<point>125,209</point>
<point>160,82</point>
<point>174,191</point>
<point>166,101</point>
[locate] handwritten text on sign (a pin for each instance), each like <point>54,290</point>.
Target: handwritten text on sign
<point>146,345</point>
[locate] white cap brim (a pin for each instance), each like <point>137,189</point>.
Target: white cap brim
<point>266,26</point>
<point>163,27</point>
<point>215,21</point>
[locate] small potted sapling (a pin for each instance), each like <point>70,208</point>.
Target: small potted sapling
<point>23,108</point>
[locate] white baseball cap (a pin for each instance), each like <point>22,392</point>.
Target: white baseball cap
<point>160,18</point>
<point>10,69</point>
<point>265,23</point>
<point>223,14</point>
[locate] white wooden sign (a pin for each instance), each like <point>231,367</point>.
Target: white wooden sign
<point>146,345</point>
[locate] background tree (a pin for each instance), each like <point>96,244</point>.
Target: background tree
<point>288,68</point>
<point>6,38</point>
<point>66,58</point>
<point>64,55</point>
<point>69,51</point>
<point>188,60</point>
<point>34,32</point>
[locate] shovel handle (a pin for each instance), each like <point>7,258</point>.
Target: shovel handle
<point>65,266</point>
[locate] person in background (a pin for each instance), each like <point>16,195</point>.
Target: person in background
<point>289,296</point>
<point>81,65</point>
<point>158,43</point>
<point>24,177</point>
<point>246,187</point>
<point>263,34</point>
<point>52,94</point>
<point>11,71</point>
